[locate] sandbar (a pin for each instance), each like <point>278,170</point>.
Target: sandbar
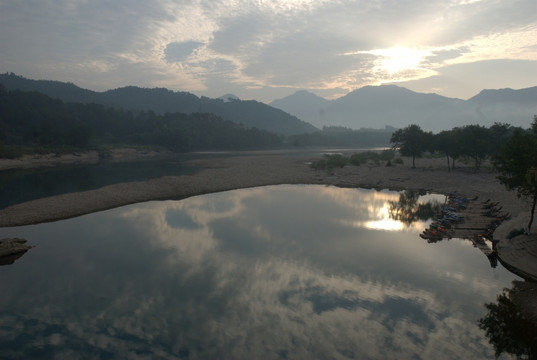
<point>217,174</point>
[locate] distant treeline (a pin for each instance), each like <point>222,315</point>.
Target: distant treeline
<point>36,121</point>
<point>344,137</point>
<point>250,113</point>
<point>475,142</point>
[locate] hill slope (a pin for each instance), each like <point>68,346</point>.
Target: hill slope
<point>248,113</point>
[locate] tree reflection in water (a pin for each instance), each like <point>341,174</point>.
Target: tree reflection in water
<point>509,325</point>
<point>409,210</point>
<point>511,322</point>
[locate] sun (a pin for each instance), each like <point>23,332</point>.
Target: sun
<point>399,59</point>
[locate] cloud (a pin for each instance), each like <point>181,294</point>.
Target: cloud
<point>180,51</point>
<point>262,47</point>
<point>468,79</point>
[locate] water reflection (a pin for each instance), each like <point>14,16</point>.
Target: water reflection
<point>509,325</point>
<point>20,185</point>
<point>272,272</point>
<point>408,209</point>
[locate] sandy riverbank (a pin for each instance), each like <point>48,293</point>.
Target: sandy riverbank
<point>234,172</point>
<point>89,157</point>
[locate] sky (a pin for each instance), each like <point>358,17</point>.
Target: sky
<point>268,49</point>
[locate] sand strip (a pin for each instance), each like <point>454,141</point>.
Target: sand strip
<point>221,174</point>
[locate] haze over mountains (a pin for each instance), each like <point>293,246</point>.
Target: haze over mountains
<point>390,105</point>
<point>372,107</point>
<point>249,113</point>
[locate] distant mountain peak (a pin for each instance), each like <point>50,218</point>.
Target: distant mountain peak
<point>528,95</point>
<point>228,97</point>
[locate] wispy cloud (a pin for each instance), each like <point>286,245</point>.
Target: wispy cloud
<point>214,46</point>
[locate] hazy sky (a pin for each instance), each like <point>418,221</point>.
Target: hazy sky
<point>268,49</point>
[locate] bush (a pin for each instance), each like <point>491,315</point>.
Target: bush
<point>319,164</point>
<point>363,158</point>
<point>330,162</point>
<point>10,151</point>
<point>398,160</point>
<point>387,155</point>
<point>336,160</point>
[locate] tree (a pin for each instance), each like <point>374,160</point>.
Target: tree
<point>499,133</point>
<point>517,164</point>
<point>448,143</point>
<point>411,141</point>
<point>475,140</point>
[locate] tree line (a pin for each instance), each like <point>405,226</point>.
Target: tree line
<point>34,120</point>
<point>343,136</point>
<point>513,152</point>
<point>248,112</point>
<point>472,141</point>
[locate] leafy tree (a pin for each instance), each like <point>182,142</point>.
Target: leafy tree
<point>411,141</point>
<point>448,143</point>
<point>517,164</point>
<point>475,140</point>
<point>499,133</point>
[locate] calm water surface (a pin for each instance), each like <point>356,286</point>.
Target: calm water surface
<point>20,185</point>
<point>262,273</point>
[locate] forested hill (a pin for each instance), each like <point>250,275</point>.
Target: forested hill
<point>32,119</point>
<point>249,113</point>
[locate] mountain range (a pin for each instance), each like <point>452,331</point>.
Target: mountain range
<point>373,107</point>
<point>250,113</point>
<point>390,105</point>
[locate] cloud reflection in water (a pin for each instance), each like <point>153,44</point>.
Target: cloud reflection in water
<point>281,271</point>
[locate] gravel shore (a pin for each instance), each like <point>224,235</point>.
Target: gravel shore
<point>235,172</point>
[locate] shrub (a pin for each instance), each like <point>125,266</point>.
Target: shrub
<point>387,155</point>
<point>319,164</point>
<point>330,162</point>
<point>362,158</point>
<point>10,151</point>
<point>398,160</point>
<point>336,160</point>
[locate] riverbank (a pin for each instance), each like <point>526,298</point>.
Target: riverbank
<point>88,157</point>
<point>234,172</point>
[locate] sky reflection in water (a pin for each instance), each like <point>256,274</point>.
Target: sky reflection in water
<point>281,271</point>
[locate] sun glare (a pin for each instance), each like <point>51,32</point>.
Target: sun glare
<point>395,60</point>
<point>384,224</point>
